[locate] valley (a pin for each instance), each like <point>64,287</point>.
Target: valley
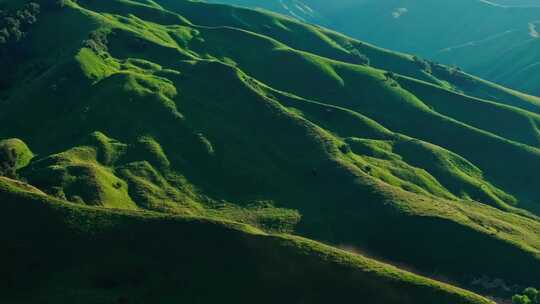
<point>181,151</point>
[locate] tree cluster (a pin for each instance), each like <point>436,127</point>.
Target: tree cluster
<point>360,58</point>
<point>97,42</point>
<point>389,75</point>
<point>14,25</point>
<point>356,56</point>
<point>425,65</point>
<point>529,296</point>
<point>8,162</point>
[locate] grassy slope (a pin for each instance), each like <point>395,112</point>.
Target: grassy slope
<point>524,69</point>
<point>195,134</point>
<point>330,44</point>
<point>157,258</point>
<point>438,31</point>
<point>297,84</point>
<point>341,81</point>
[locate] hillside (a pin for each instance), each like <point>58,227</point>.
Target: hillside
<point>471,34</point>
<point>129,124</point>
<point>158,258</point>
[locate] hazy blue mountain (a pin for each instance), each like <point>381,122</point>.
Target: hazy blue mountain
<point>497,40</point>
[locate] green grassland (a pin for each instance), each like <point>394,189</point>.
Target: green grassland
<point>156,135</point>
<point>496,40</point>
<point>82,254</point>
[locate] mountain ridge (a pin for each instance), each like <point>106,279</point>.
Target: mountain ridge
<point>138,108</point>
<point>472,41</point>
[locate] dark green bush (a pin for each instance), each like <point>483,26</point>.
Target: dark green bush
<point>360,58</point>
<point>530,296</point>
<point>390,75</point>
<point>8,162</point>
<point>423,64</point>
<point>345,149</point>
<point>14,26</point>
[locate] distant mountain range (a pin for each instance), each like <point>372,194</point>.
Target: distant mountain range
<point>496,40</point>
<point>516,2</point>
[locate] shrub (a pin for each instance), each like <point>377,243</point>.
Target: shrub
<point>14,26</point>
<point>97,42</point>
<point>344,148</point>
<point>530,296</point>
<point>8,162</point>
<point>423,64</point>
<point>519,299</point>
<point>359,58</point>
<point>52,4</point>
<point>390,75</point>
<point>368,169</point>
<point>61,3</point>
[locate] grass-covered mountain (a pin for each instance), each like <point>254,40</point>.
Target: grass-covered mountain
<point>63,253</point>
<point>496,40</point>
<point>158,151</point>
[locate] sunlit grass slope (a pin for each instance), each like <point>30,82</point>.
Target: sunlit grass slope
<point>196,110</point>
<point>495,40</point>
<point>66,253</point>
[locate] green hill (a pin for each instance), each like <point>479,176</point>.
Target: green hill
<point>88,255</point>
<point>130,124</point>
<point>495,40</point>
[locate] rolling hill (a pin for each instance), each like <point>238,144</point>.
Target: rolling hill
<point>79,254</point>
<point>496,40</point>
<point>176,150</point>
